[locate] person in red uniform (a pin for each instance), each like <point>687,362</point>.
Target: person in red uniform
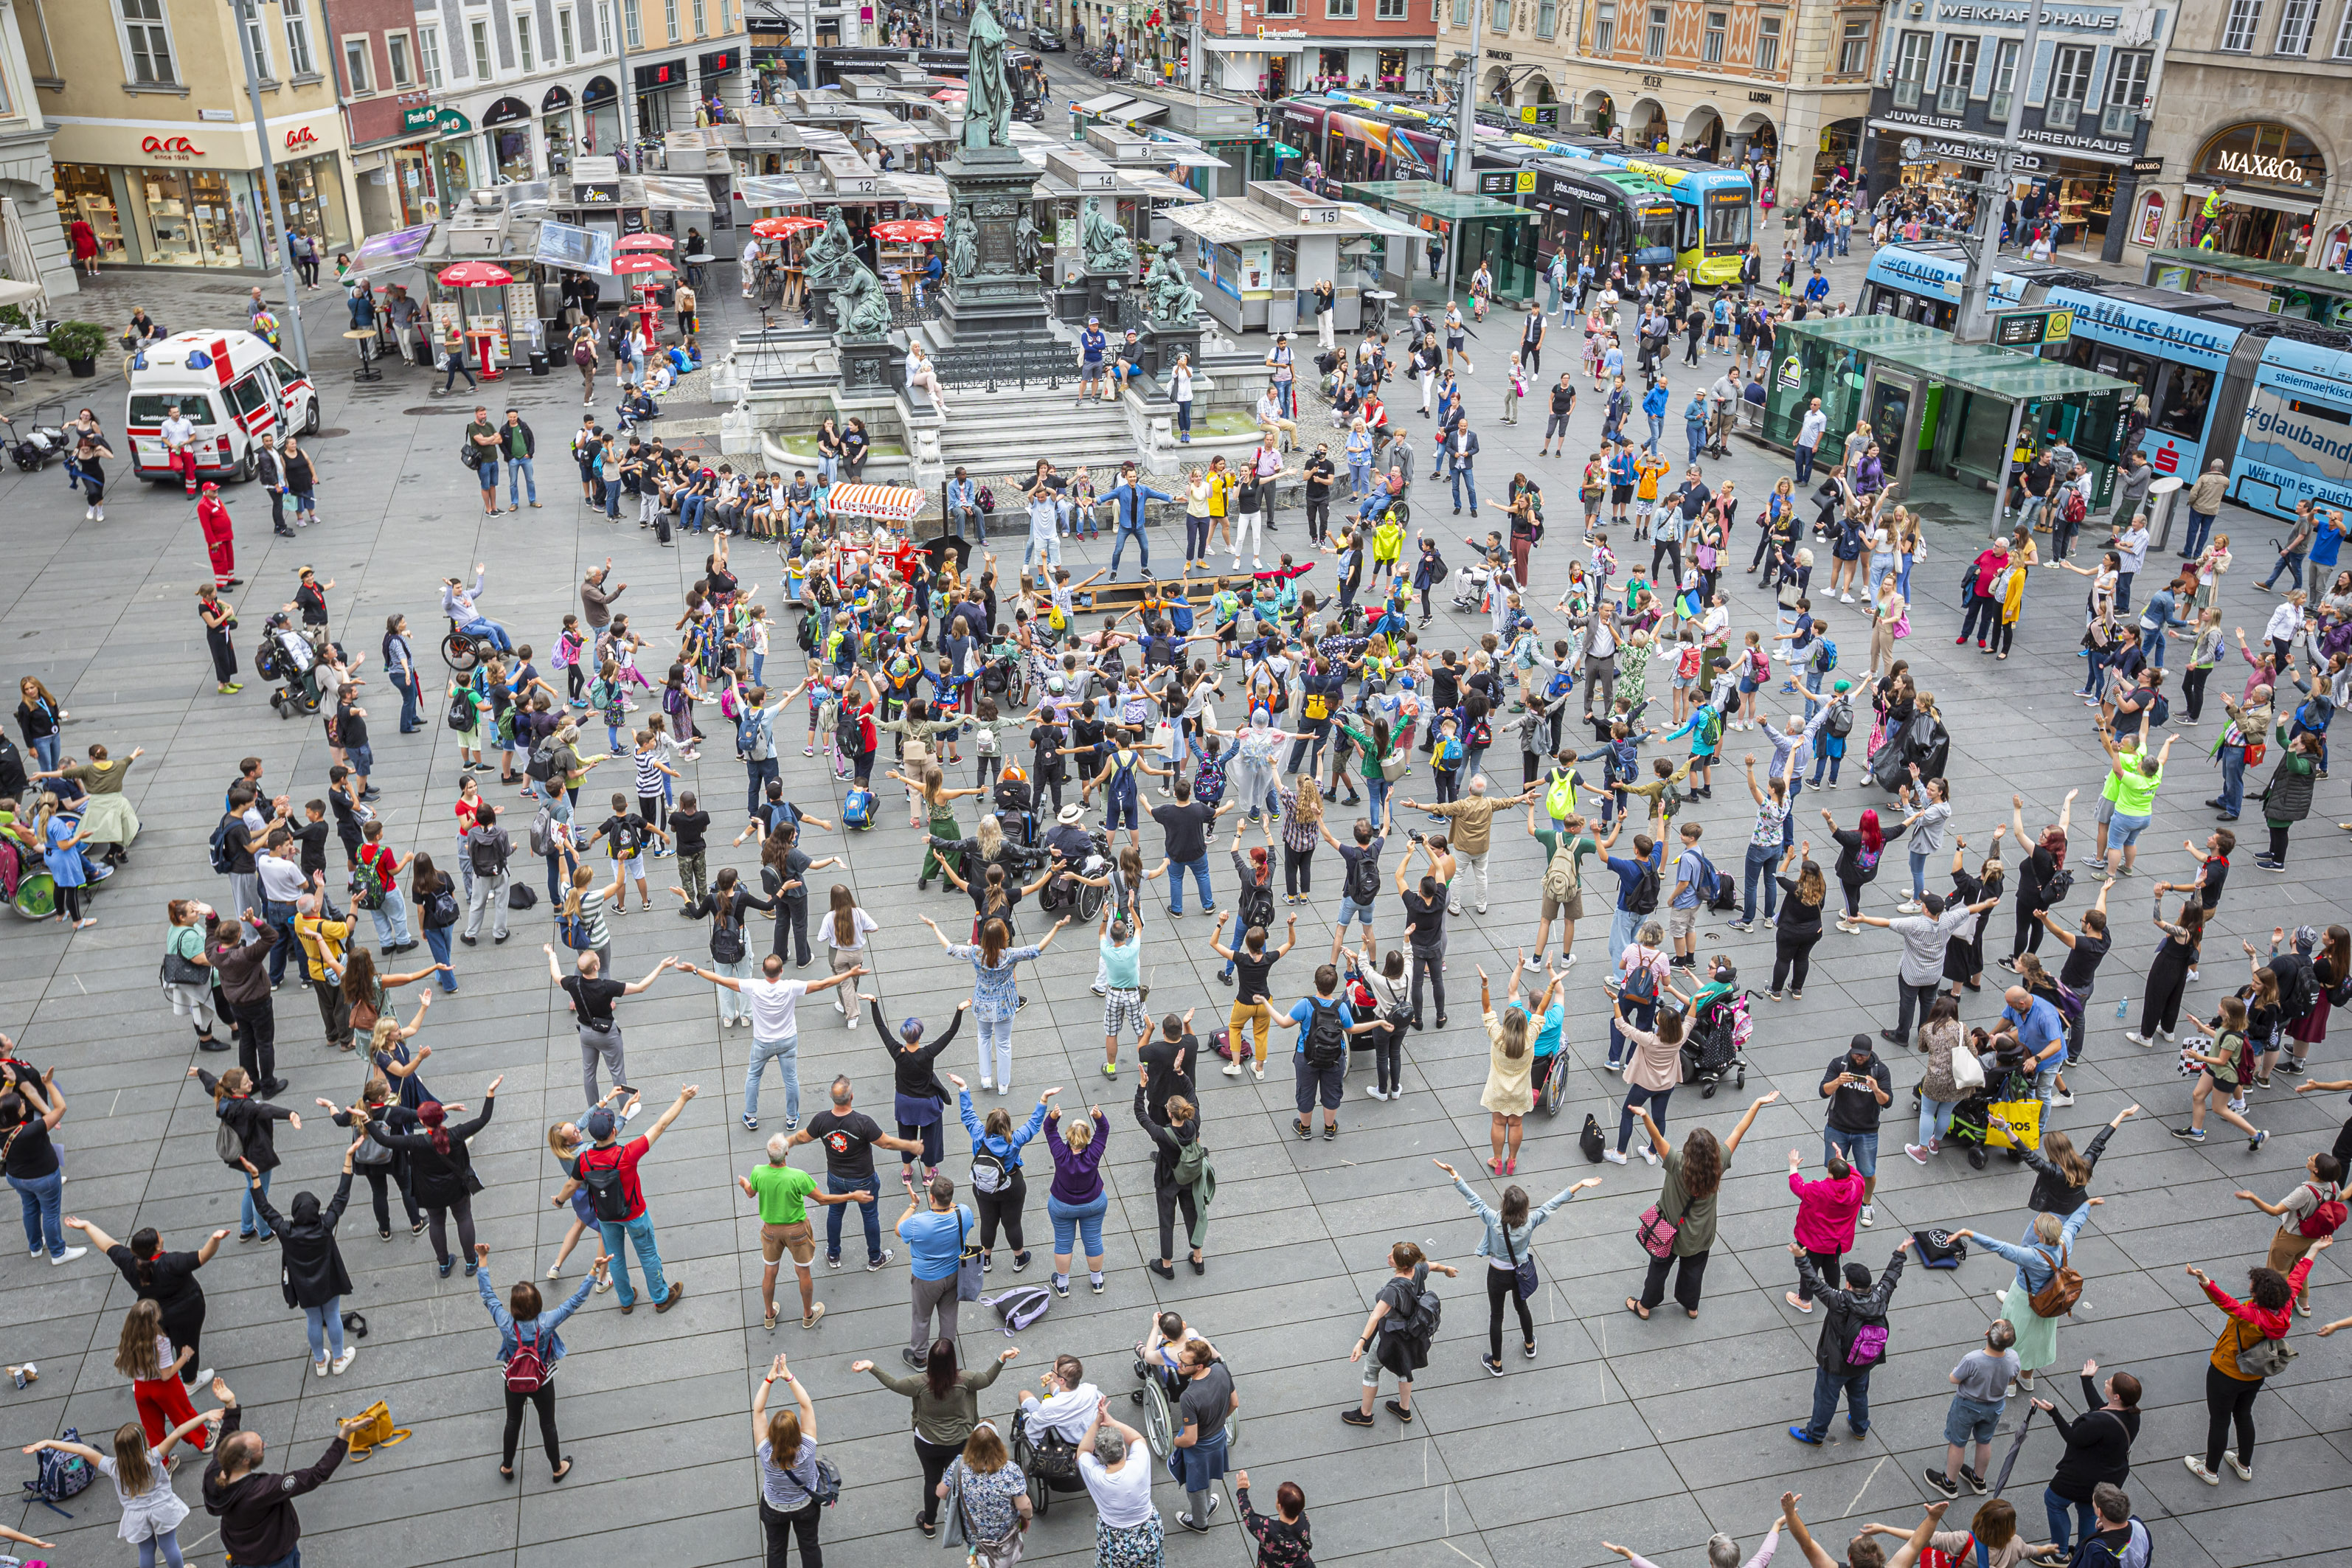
<point>220,538</point>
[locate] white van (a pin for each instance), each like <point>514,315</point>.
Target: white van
<point>232,387</point>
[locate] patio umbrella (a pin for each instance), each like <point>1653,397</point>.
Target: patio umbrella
<point>950,95</point>
<point>645,242</point>
<point>777,228</point>
<point>474,274</point>
<point>899,230</point>
<point>639,261</point>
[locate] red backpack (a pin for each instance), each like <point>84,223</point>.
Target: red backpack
<point>2324,1218</point>
<point>527,1370</point>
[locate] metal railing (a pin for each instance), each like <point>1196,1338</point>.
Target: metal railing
<point>992,367</point>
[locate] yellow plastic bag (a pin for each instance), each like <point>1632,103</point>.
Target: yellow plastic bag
<point>2023,1124</point>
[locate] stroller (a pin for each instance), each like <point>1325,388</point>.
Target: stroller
<point>1715,1048</point>
<point>288,657</point>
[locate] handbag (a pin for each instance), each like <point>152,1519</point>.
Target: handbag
<point>1967,1071</point>
<point>1656,1232</point>
<point>179,969</point>
<point>1522,1269</point>
<point>377,1432</point>
<point>968,1274</point>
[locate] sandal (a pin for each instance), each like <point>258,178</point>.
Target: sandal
<point>1638,1310</point>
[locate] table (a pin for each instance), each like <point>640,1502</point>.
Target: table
<point>365,338</point>
<point>483,340</point>
<point>32,342</point>
<point>694,266</point>
<point>1378,320</point>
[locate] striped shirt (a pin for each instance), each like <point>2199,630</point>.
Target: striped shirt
<point>649,774</point>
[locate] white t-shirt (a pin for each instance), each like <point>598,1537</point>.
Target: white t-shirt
<point>1122,1500</point>
<point>860,923</point>
<point>774,1006</point>
<point>176,432</point>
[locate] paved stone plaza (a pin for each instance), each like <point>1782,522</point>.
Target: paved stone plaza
<point>1651,1435</point>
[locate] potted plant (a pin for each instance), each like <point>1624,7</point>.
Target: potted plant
<point>79,343</point>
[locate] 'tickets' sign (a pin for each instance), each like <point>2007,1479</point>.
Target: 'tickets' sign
<point>176,148</point>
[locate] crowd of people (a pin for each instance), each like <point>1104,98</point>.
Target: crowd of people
<point>1311,720</point>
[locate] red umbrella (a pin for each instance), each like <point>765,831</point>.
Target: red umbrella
<point>639,261</point>
<point>902,229</point>
<point>474,274</point>
<point>645,242</point>
<point>777,228</point>
<point>950,95</point>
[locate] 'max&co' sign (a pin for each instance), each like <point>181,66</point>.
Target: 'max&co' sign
<point>2070,18</point>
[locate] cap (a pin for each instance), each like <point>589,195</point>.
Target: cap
<point>210,487</point>
<point>599,1124</point>
<point>1093,321</point>
<point>1071,815</point>
<point>1842,686</point>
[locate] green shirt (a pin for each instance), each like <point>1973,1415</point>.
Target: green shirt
<point>783,1192</point>
<point>516,446</point>
<point>2135,790</point>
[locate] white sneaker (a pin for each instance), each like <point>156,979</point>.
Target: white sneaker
<point>1650,1154</point>
<point>1377,1093</point>
<point>2135,1037</point>
<point>2197,1467</point>
<point>1257,1072</point>
<point>345,1360</point>
<point>205,1378</point>
<point>1908,908</point>
<point>2245,1471</point>
<point>69,1255</point>
<point>1233,1069</point>
<point>1869,1214</point>
<point>1845,598</point>
<point>319,1368</point>
<point>2061,1099</point>
<point>1612,1156</point>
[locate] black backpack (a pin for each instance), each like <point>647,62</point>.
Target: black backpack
<point>1327,1036</point>
<point>1428,1311</point>
<point>541,766</point>
<point>1644,899</point>
<point>607,1199</point>
<point>489,859</point>
<point>1363,879</point>
<point>1256,907</point>
<point>223,862</point>
<point>2298,985</point>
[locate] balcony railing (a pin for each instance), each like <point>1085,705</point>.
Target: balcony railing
<point>2061,113</point>
<point>1952,99</point>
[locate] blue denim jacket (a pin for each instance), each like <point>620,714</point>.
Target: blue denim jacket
<point>544,1325</point>
<point>1005,1149</point>
<point>2036,1263</point>
<point>1521,1237</point>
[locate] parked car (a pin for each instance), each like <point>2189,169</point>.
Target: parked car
<point>1045,40</point>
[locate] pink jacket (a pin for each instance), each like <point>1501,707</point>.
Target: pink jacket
<point>1826,1210</point>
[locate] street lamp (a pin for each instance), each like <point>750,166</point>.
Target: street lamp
<point>246,18</point>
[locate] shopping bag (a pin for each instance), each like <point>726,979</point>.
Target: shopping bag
<point>378,1433</point>
<point>2013,1124</point>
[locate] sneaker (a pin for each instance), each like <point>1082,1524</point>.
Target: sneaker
<point>2136,1039</point>
<point>1613,1156</point>
<point>2197,1467</point>
<point>2245,1471</point>
<point>1649,1155</point>
<point>2192,1134</point>
<point>2060,1099</point>
<point>1530,1348</point>
<point>1493,1366</point>
<point>2254,1144</point>
<point>1908,907</point>
<point>69,1255</point>
<point>1976,1483</point>
<point>1943,1483</point>
<point>1919,1155</point>
<point>874,1263</point>
<point>343,1361</point>
<point>1869,1215</point>
<point>1233,1069</point>
<point>751,1122</point>
<point>319,1368</point>
<point>1355,1417</point>
<point>1257,1072</point>
<point>1801,1436</point>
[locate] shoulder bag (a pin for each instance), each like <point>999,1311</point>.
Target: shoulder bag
<point>1522,1269</point>
<point>968,1273</point>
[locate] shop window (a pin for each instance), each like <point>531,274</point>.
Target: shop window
<point>86,191</point>
<point>357,81</point>
<point>147,43</point>
<point>1853,47</point>
<point>1604,29</point>
<point>298,37</point>
<point>1767,44</point>
<point>563,33</point>
<point>2238,29</point>
<point>522,42</point>
<point>428,56</point>
<point>396,48</point>
<point>1653,36</point>
<point>1710,51</point>
<point>2296,18</point>
<point>481,35</point>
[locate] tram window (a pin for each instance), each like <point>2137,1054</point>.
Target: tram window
<point>2186,393</point>
<point>1685,229</point>
<point>1727,225</point>
<point>1655,229</point>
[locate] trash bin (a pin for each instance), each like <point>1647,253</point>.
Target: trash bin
<point>539,363</point>
<point>2163,498</point>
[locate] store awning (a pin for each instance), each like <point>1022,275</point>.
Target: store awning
<point>1257,46</point>
<point>2238,195</point>
<point>1103,104</point>
<point>886,503</point>
<point>14,293</point>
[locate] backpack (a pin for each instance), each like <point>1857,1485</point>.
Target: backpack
<point>441,910</point>
<point>1560,796</point>
<point>2265,1357</point>
<point>218,843</point>
<point>1428,1311</point>
<point>1449,753</point>
<point>540,766</point>
<point>228,1142</point>
<point>461,712</point>
<point>2298,986</point>
<point>1257,907</point>
<point>487,858</point>
<point>1318,706</point>
<point>607,1199</point>
<point>1840,723</point>
<point>58,1476</point>
<point>527,1370</point>
<point>2074,508</point>
<point>2057,1298</point>
<point>367,886</point>
<point>1825,656</point>
<point>857,809</point>
<point>1710,729</point>
<point>1718,891</point>
<point>2323,1219</point>
<point>1018,1308</point>
<point>1867,1348</point>
<point>1326,1045</point>
<point>1642,899</point>
<point>988,1174</point>
<point>543,825</point>
<point>1560,876</point>
<point>1364,879</point>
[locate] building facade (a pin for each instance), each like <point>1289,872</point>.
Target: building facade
<point>1947,71</point>
<point>155,143</point>
<point>2247,152</point>
<point>36,244</point>
<point>1724,79</point>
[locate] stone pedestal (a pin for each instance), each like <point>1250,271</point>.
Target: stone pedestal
<point>1104,292</point>
<point>866,364</point>
<point>997,304</point>
<point>1164,341</point>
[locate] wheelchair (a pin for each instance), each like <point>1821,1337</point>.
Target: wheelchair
<point>25,878</point>
<point>463,650</point>
<point>1050,1467</point>
<point>1159,1391</point>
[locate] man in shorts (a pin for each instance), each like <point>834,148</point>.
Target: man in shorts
<point>1567,835</point>
<point>783,1195</point>
<point>1092,345</point>
<point>1690,897</point>
<point>1980,1391</point>
<point>1361,873</point>
<point>1123,1014</point>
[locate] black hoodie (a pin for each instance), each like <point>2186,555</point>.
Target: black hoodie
<point>314,1274</point>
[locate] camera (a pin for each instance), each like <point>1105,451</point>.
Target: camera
<point>1414,835</point>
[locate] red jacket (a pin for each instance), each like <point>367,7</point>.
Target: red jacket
<point>1826,1211</point>
<point>214,518</point>
<point>2244,1316</point>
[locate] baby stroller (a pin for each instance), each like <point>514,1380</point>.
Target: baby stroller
<point>1715,1048</point>
<point>1974,1119</point>
<point>287,656</point>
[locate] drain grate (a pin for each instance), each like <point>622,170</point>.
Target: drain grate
<point>329,430</point>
